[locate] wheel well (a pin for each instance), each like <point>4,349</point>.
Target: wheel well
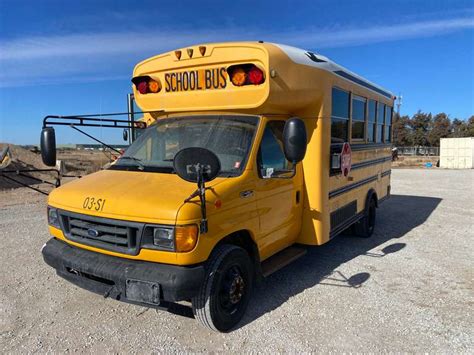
<point>244,240</point>
<point>372,194</point>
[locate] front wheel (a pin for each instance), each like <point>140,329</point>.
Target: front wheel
<point>225,293</point>
<point>366,225</point>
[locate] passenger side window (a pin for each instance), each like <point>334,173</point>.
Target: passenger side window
<point>358,117</point>
<point>271,158</point>
<point>388,123</point>
<point>371,127</point>
<point>339,116</point>
<point>380,121</point>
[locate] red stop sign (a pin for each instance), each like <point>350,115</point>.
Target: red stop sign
<point>346,159</point>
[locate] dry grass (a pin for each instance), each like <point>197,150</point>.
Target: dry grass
<point>414,161</point>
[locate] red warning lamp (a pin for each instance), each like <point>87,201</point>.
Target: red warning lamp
<point>255,76</point>
<point>142,87</point>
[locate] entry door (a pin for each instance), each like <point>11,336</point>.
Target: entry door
<point>278,193</point>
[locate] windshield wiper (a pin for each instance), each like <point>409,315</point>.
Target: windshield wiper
<point>139,162</point>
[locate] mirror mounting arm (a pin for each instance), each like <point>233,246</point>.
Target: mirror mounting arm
<point>202,197</point>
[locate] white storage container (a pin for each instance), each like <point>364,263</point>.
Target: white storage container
<point>456,153</point>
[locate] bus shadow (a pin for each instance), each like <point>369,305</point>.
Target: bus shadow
<point>395,218</point>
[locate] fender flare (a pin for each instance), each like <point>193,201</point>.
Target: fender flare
<point>370,194</point>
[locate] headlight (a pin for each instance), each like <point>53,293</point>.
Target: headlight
<point>179,238</point>
<point>53,218</point>
<point>163,238</point>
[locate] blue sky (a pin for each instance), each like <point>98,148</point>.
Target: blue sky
<point>73,57</point>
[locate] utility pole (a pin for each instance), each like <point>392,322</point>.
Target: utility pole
<point>399,103</point>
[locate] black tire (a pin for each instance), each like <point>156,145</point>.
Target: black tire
<point>366,225</point>
<point>225,293</point>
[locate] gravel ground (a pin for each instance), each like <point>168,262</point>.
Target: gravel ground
<point>409,288</point>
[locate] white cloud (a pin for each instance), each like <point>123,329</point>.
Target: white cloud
<point>35,60</point>
<point>377,34</point>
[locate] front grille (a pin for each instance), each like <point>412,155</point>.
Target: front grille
<point>109,234</point>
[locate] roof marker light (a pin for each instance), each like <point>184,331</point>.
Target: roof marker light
<point>202,49</point>
<point>177,54</point>
<point>190,52</point>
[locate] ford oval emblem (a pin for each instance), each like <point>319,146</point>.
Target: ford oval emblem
<point>93,233</point>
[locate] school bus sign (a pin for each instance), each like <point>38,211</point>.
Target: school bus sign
<point>194,80</point>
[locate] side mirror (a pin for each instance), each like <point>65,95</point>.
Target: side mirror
<point>197,165</point>
<point>190,163</point>
<point>48,146</point>
<point>125,135</point>
<point>294,140</point>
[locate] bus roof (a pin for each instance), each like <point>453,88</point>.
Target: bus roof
<point>201,78</point>
<point>319,61</point>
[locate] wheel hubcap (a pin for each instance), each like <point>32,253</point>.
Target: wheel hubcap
<point>232,291</point>
<point>236,289</point>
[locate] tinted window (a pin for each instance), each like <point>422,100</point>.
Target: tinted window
<point>380,112</point>
<point>388,116</point>
<point>358,108</point>
<point>379,133</point>
<point>388,123</point>
<point>272,161</point>
<point>387,133</point>
<point>340,103</point>
<point>372,111</point>
<point>380,120</point>
<point>358,117</point>
<point>371,127</point>
<point>339,116</point>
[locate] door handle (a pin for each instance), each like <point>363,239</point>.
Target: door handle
<point>246,193</point>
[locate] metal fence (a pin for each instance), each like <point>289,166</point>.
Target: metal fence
<point>424,151</point>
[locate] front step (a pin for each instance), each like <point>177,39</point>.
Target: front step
<point>281,259</point>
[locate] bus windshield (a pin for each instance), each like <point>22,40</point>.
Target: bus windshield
<point>228,136</point>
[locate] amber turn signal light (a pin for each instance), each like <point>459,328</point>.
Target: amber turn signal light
<point>239,76</point>
<point>186,237</point>
<point>154,86</point>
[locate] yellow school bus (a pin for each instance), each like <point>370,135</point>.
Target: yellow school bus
<point>252,152</point>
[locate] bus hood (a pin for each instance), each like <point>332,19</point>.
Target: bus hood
<point>128,195</point>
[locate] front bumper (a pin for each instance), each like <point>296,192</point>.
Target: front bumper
<point>132,281</point>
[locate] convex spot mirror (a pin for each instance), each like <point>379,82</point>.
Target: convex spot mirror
<point>48,146</point>
<point>125,134</point>
<point>294,140</point>
<point>189,161</point>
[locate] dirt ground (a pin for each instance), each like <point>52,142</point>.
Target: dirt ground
<point>409,288</point>
<point>75,163</point>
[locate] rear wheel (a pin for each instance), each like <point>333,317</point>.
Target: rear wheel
<point>225,293</point>
<point>366,225</point>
